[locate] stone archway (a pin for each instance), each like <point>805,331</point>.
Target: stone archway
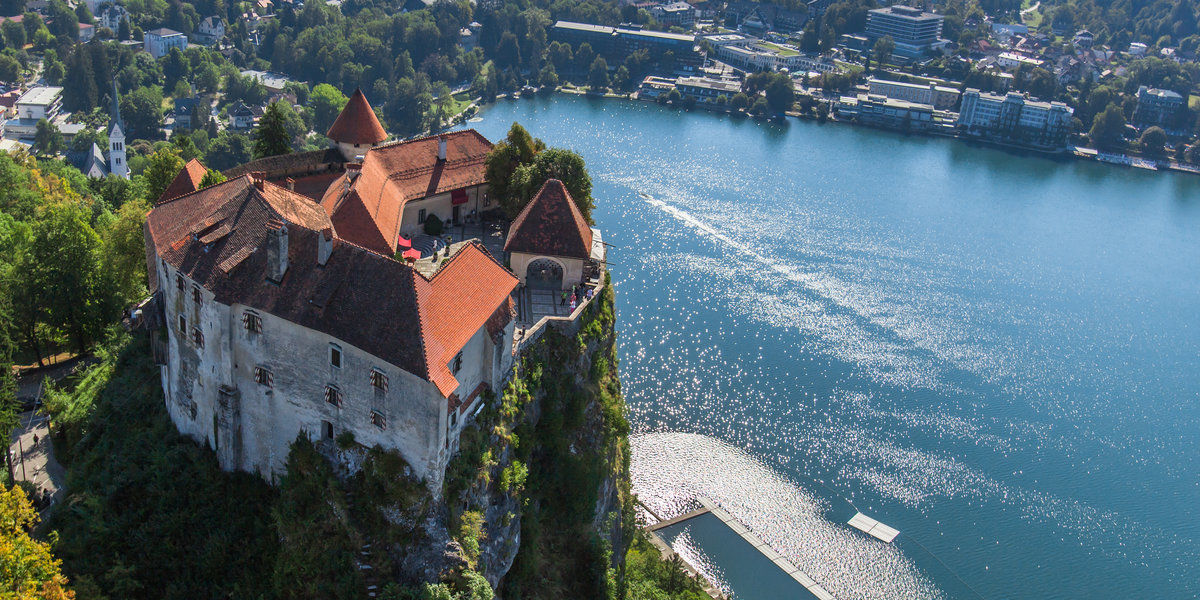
<point>544,274</point>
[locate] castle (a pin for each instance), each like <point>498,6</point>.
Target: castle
<point>286,313</point>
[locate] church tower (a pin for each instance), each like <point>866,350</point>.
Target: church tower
<point>116,142</point>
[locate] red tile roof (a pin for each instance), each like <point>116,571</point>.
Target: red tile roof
<point>460,299</point>
<point>369,210</point>
<point>550,224</point>
<point>357,123</point>
<point>217,236</point>
<point>187,181</point>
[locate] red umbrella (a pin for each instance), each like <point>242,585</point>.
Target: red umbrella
<point>403,243</point>
<point>411,254</point>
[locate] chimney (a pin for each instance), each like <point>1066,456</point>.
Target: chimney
<point>277,251</point>
<point>257,178</point>
<point>291,184</point>
<point>352,171</point>
<point>324,246</point>
<point>441,147</point>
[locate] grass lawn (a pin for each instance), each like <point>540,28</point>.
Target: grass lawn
<point>779,49</point>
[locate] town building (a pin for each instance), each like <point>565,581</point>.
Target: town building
<point>763,56</point>
<point>1014,118</point>
<point>914,31</point>
<point>182,112</point>
<point>706,90</point>
<point>678,14</point>
<point>289,317</point>
<point>274,82</point>
<point>939,97</point>
<point>880,111</point>
<point>1158,107</point>
<point>211,29</point>
<point>42,102</point>
<point>242,116</point>
<point>87,31</point>
<point>615,43</point>
<point>1013,60</point>
<point>159,42</point>
<point>1137,49</point>
<point>111,15</point>
<point>760,18</point>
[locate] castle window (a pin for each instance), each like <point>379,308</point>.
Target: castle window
<point>379,380</point>
<point>263,377</point>
<point>182,324</point>
<point>421,216</point>
<point>179,282</point>
<point>327,430</point>
<point>378,420</point>
<point>252,321</point>
<point>196,293</point>
<point>335,356</point>
<point>456,364</point>
<point>333,395</point>
<point>197,337</point>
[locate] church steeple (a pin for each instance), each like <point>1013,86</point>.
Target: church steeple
<point>116,141</point>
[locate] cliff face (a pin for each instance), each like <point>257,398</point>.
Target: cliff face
<point>537,499</point>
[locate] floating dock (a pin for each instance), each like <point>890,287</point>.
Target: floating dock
<point>873,528</point>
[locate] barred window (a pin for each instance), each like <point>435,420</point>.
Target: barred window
<point>197,337</point>
<point>378,420</point>
<point>196,293</point>
<point>333,395</point>
<point>252,321</point>
<point>456,365</point>
<point>182,324</point>
<point>263,377</point>
<point>379,380</point>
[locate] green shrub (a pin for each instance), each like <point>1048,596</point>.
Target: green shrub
<point>345,440</point>
<point>433,225</point>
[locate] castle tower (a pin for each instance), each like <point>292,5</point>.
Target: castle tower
<point>356,128</point>
<point>117,164</point>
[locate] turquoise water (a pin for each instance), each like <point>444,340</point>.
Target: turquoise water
<point>998,355</point>
<point>707,541</point>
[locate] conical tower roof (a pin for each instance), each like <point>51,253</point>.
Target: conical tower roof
<point>357,123</point>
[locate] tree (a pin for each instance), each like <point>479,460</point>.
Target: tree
<point>780,94</point>
<point>47,141</point>
<point>598,75</point>
<point>10,69</point>
<point>123,32</point>
<point>563,165</point>
<point>271,137</point>
<point>14,34</point>
<point>212,177</point>
<point>740,101</point>
<point>29,568</point>
<point>1153,141</point>
<point>1108,128</point>
<point>161,169</point>
<point>123,261</point>
<point>519,148</point>
<point>65,263</point>
<point>882,52</point>
<point>228,150</point>
<point>325,102</point>
<point>141,110</point>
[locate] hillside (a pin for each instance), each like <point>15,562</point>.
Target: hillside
<point>537,502</point>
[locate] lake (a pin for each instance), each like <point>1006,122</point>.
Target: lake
<point>997,354</point>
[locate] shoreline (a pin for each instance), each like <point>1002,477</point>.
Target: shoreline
<point>1067,152</point>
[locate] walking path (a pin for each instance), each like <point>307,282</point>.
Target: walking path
<point>33,461</point>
